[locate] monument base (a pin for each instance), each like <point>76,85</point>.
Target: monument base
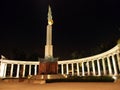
<point>48,66</point>
<point>48,69</point>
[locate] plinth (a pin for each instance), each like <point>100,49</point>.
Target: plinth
<point>48,66</point>
<point>48,69</point>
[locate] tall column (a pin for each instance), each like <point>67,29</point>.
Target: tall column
<point>72,69</point>
<point>118,59</point>
<point>103,64</point>
<point>114,65</point>
<point>109,66</point>
<point>67,70</point>
<point>24,70</point>
<point>93,67</point>
<point>18,70</point>
<point>62,70</point>
<point>29,69</point>
<point>48,46</point>
<point>88,68</point>
<point>98,64</point>
<point>11,71</point>
<point>35,73</point>
<point>83,71</point>
<point>78,71</point>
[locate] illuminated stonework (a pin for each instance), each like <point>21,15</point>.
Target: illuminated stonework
<point>104,64</point>
<point>48,65</point>
<point>50,21</point>
<point>48,46</point>
<point>97,65</point>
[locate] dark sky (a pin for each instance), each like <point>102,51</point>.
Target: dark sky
<point>79,25</point>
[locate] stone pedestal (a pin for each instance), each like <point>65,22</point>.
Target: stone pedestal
<point>48,69</point>
<point>48,66</point>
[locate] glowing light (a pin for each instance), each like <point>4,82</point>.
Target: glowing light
<point>50,22</point>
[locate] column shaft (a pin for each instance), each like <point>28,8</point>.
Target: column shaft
<point>118,59</point>
<point>18,70</point>
<point>2,69</point>
<point>24,70</point>
<point>35,73</point>
<point>88,68</point>
<point>98,64</point>
<point>93,67</point>
<point>72,69</point>
<point>103,64</point>
<point>67,69</point>
<point>109,66</point>
<point>114,65</point>
<point>29,69</point>
<point>83,71</point>
<point>62,70</point>
<point>5,68</point>
<point>78,71</point>
<point>11,71</point>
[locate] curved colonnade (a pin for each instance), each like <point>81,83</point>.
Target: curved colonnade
<point>104,64</point>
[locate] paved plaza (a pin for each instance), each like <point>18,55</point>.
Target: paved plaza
<point>61,86</point>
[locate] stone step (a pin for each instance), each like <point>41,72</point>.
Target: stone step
<point>49,76</point>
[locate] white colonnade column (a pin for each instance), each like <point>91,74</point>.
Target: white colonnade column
<point>2,70</point>
<point>103,64</point>
<point>5,68</point>
<point>118,59</point>
<point>24,66</point>
<point>72,69</point>
<point>62,70</point>
<point>78,71</point>
<point>93,68</point>
<point>11,71</point>
<point>109,66</point>
<point>29,69</point>
<point>98,64</point>
<point>83,71</point>
<point>35,73</point>
<point>88,68</point>
<point>114,65</point>
<point>67,69</point>
<point>18,70</point>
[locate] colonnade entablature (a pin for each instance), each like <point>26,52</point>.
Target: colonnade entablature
<point>104,64</point>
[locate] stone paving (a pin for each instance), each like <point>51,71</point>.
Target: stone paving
<point>61,86</point>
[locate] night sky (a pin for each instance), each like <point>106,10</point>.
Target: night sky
<point>79,25</point>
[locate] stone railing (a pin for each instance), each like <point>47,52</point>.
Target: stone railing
<point>107,63</point>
